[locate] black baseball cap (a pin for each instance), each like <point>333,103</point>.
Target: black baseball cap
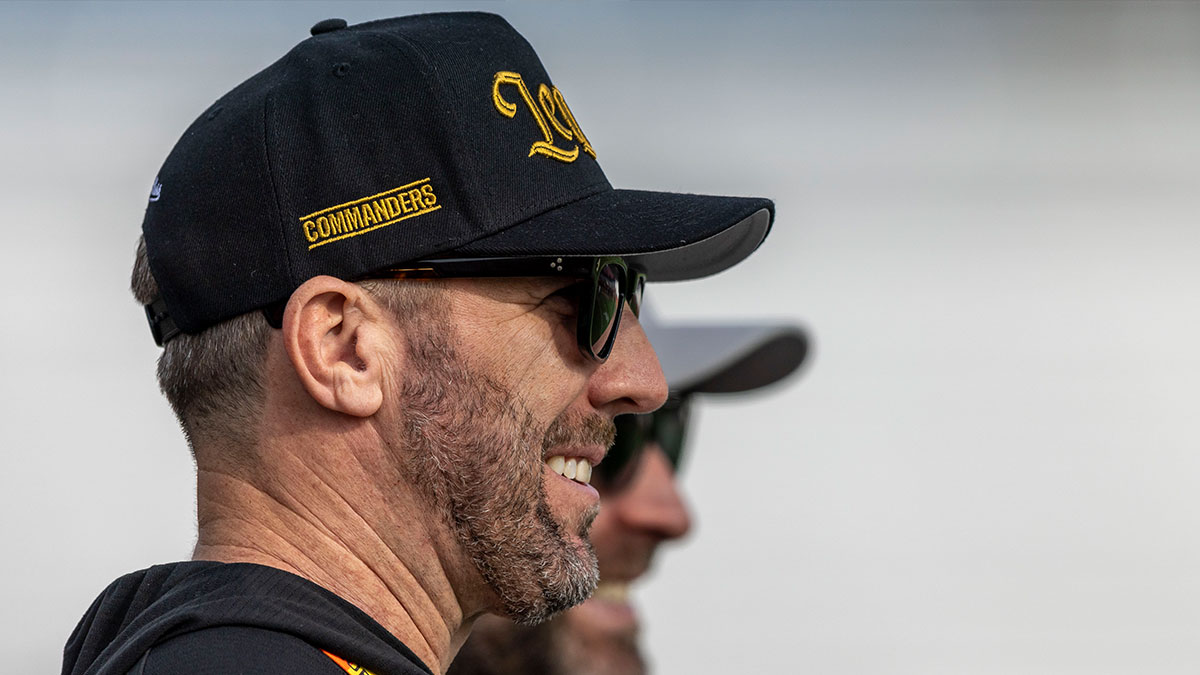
<point>393,141</point>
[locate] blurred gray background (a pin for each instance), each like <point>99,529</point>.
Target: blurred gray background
<point>986,215</point>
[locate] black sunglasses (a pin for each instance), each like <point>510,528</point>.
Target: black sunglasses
<point>666,426</point>
<point>613,283</point>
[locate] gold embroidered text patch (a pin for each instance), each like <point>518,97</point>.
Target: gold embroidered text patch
<point>369,213</point>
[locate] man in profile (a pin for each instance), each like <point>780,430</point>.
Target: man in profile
<point>641,504</point>
<point>398,302</point>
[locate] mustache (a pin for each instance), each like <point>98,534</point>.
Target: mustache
<point>580,429</point>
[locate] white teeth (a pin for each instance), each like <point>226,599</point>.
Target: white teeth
<point>575,468</point>
<point>612,592</point>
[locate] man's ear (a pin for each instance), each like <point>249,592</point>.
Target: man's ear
<point>336,338</point>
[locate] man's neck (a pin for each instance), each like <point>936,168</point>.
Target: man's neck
<point>378,551</point>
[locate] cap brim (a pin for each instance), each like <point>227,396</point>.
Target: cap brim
<point>671,236</point>
<point>726,357</point>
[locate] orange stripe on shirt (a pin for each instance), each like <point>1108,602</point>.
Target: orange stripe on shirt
<point>350,668</point>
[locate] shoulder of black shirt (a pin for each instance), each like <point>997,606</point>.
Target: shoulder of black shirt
<point>235,649</point>
<point>206,618</point>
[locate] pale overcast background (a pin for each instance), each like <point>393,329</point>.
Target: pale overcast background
<point>987,215</point>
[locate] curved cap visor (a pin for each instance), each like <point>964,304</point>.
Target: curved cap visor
<point>671,236</point>
<point>725,358</point>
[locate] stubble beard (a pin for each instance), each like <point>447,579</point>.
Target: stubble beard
<point>476,451</point>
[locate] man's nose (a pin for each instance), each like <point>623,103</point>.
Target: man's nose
<point>630,381</point>
<point>651,502</point>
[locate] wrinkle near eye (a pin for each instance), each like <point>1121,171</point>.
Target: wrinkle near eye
<point>548,295</point>
<point>505,299</point>
<point>521,290</point>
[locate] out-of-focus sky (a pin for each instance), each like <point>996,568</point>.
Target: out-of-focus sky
<point>987,216</point>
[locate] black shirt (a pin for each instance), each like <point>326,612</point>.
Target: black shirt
<point>208,618</point>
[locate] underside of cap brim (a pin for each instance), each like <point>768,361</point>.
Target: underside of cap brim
<point>671,236</point>
<point>772,360</point>
<point>726,358</point>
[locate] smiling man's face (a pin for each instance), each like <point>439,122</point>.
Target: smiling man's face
<point>503,424</point>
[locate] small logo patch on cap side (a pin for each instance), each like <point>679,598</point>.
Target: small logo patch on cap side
<point>549,107</point>
<point>369,213</point>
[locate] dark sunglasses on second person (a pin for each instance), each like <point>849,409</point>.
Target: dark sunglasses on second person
<point>666,426</point>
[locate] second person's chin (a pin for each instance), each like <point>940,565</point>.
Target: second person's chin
<point>597,638</point>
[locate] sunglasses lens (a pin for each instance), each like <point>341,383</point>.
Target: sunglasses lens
<point>670,430</point>
<point>621,461</point>
<point>666,427</point>
<point>606,308</point>
<point>669,434</point>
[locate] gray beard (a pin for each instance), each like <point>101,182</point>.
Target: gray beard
<point>476,451</point>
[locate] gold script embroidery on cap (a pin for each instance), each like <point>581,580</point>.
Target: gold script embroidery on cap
<point>551,114</point>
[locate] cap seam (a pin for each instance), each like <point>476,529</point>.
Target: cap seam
<point>268,106</point>
<point>548,208</point>
<point>459,149</point>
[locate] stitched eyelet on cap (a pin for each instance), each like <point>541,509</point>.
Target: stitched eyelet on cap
<point>341,69</point>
